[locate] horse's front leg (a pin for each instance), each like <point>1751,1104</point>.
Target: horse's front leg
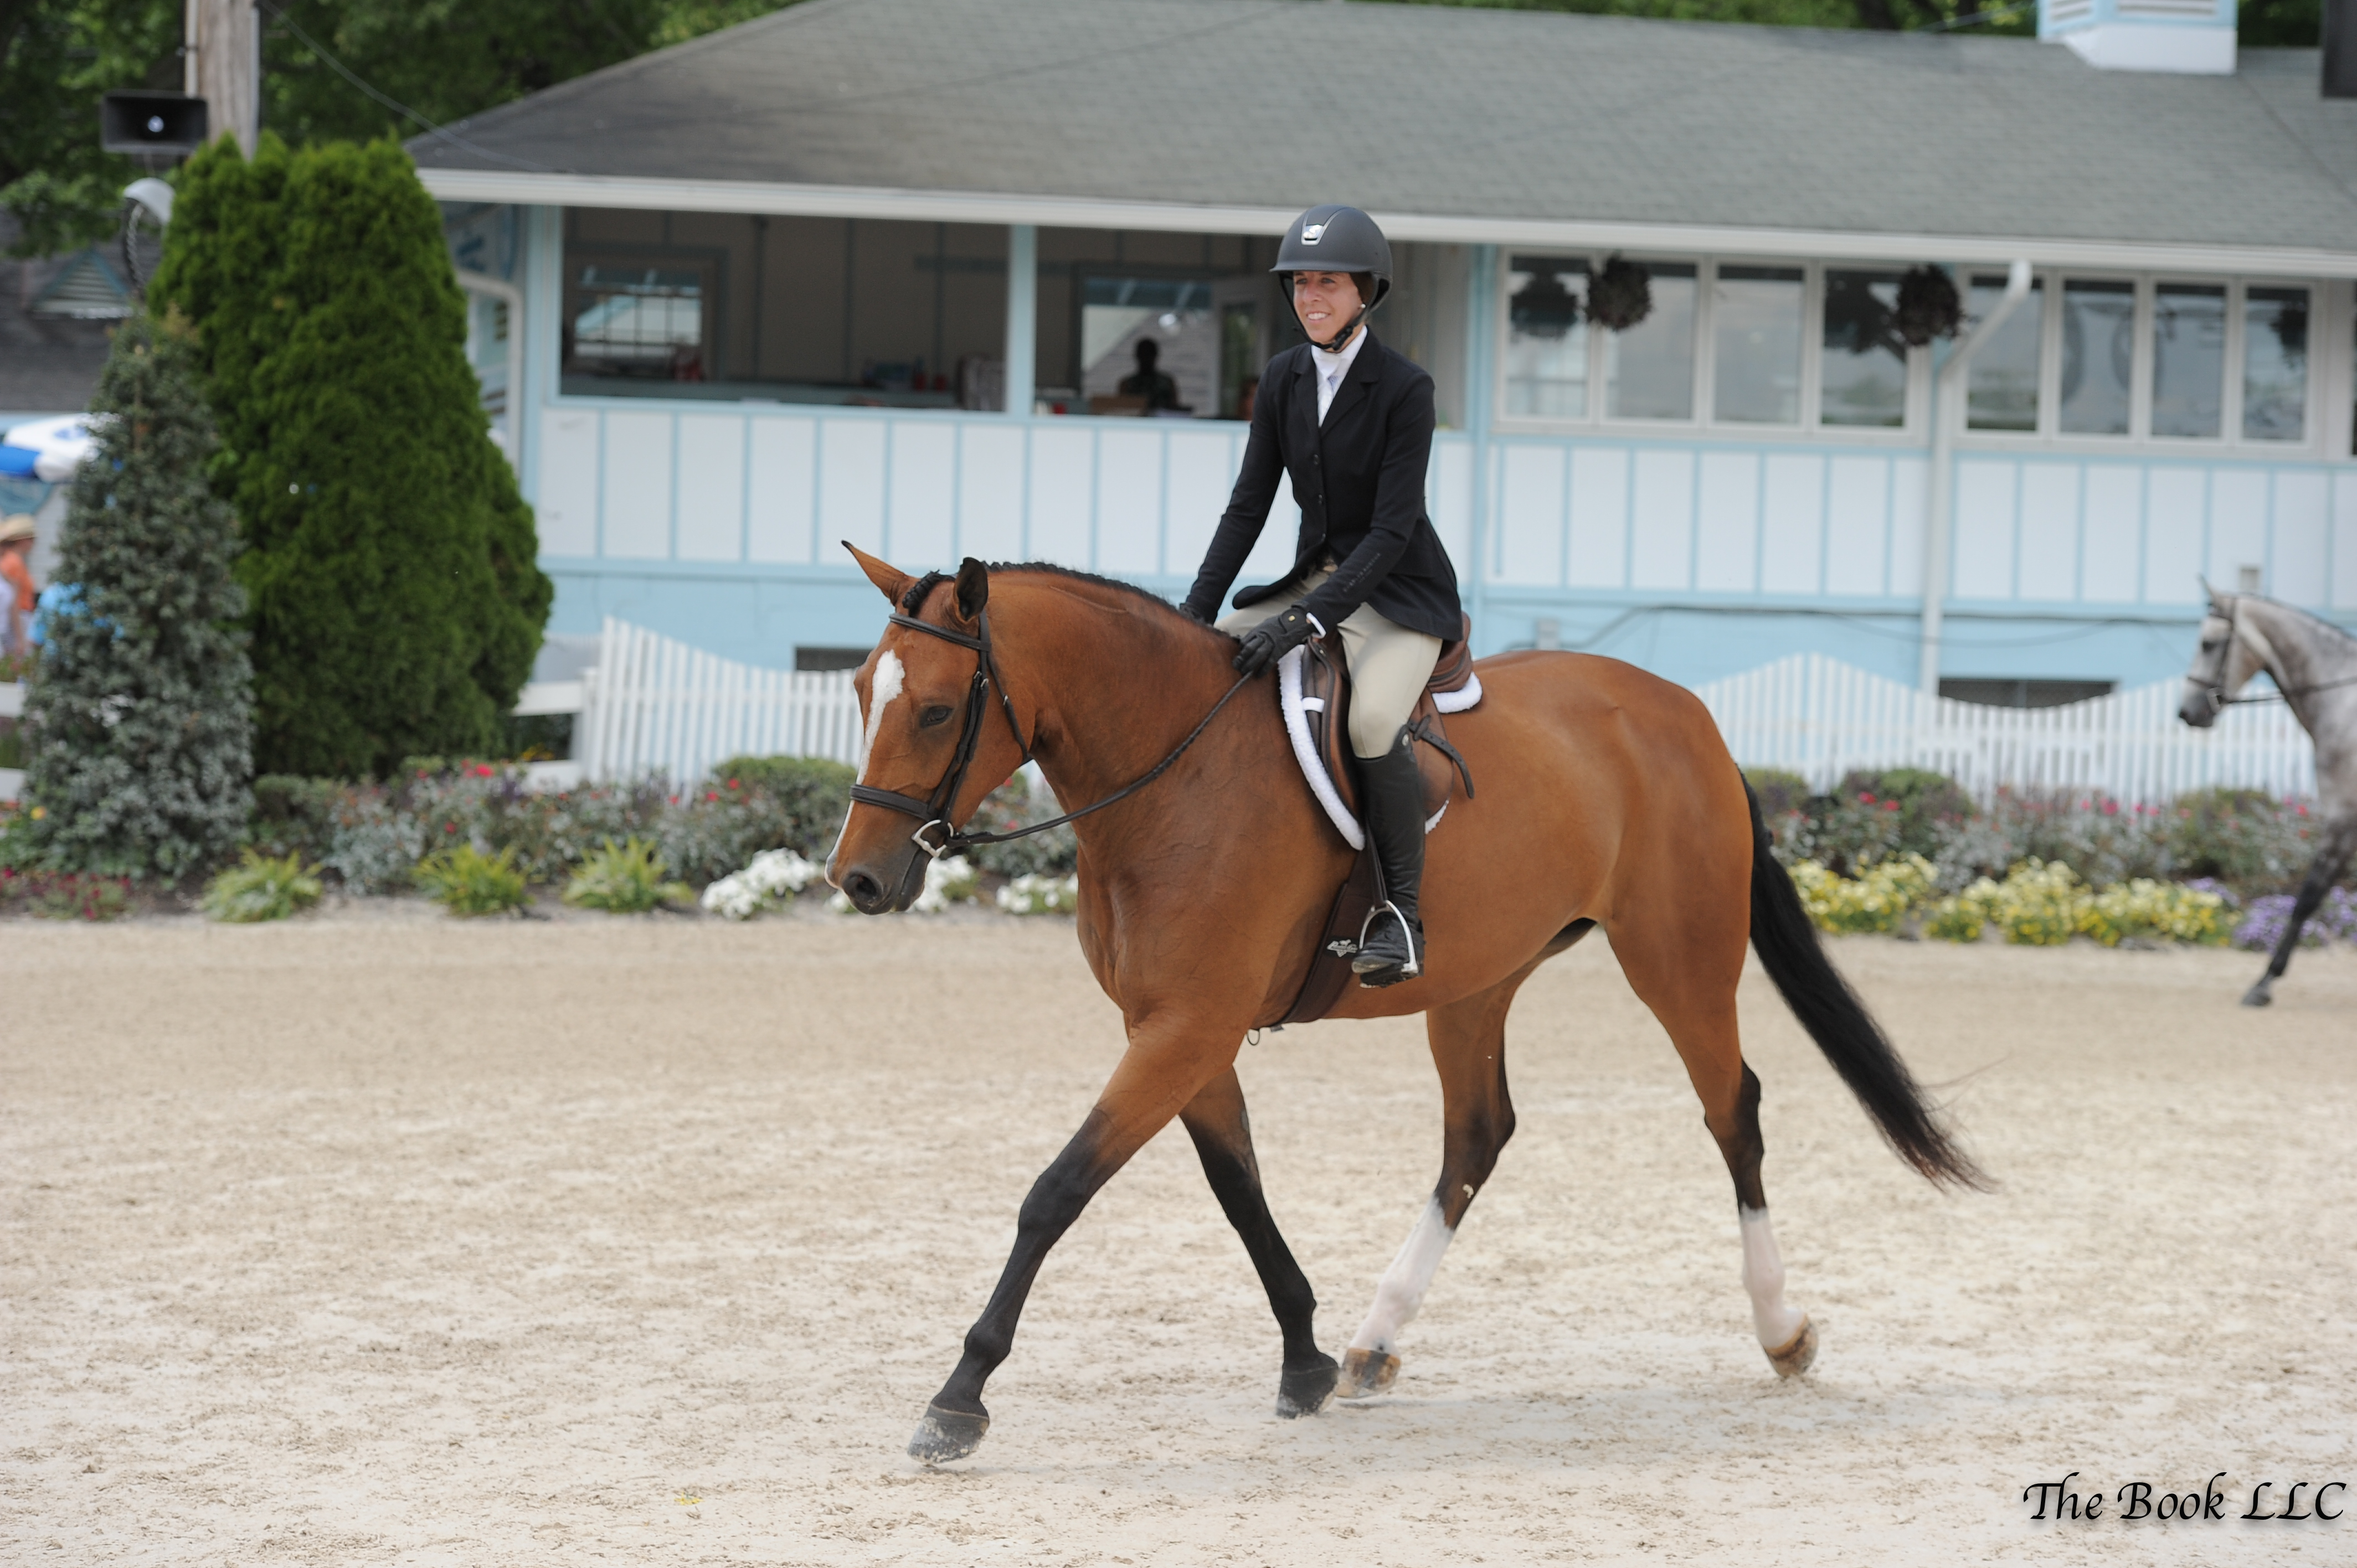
<point>2322,872</point>
<point>1215,1119</point>
<point>1167,1065</point>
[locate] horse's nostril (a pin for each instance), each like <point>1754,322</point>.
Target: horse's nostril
<point>864,890</point>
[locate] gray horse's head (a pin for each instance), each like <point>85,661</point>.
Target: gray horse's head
<point>2228,656</point>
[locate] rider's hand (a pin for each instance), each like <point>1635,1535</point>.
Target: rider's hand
<point>1273,638</point>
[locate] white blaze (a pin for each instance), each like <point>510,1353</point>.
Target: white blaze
<point>888,678</point>
<point>1401,1290</point>
<point>1764,1278</point>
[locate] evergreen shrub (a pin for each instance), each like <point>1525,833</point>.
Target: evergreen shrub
<point>138,720</point>
<point>396,602</point>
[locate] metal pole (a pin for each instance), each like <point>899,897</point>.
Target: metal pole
<point>1022,316</point>
<point>1947,418</point>
<point>1480,372</point>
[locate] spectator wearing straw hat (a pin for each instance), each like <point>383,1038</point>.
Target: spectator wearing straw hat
<point>15,545</point>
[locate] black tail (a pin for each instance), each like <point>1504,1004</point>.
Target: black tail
<point>1789,950</point>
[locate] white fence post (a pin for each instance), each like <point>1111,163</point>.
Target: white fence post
<point>1821,718</point>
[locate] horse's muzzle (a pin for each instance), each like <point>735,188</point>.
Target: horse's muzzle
<point>2200,708</point>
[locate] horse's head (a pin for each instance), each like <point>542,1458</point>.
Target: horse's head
<point>2231,653</point>
<point>921,711</point>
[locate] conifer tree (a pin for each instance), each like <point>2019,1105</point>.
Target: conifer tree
<point>139,713</point>
<point>396,601</point>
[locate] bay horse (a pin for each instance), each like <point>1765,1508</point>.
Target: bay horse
<point>2314,666</point>
<point>1606,798</point>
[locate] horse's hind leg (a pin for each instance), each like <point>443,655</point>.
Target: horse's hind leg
<point>1697,1008</point>
<point>1468,1048</point>
<point>1215,1119</point>
<point>2322,872</point>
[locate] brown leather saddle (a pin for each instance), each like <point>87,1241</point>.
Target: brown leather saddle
<point>1325,710</point>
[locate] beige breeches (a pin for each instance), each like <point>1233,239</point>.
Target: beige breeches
<point>1389,663</point>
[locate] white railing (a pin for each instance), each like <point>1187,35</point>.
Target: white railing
<point>656,705</point>
<point>1820,717</point>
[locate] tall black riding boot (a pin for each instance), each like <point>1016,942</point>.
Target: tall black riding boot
<point>1393,949</point>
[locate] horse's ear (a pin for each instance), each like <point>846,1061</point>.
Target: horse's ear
<point>889,580</point>
<point>2217,600</point>
<point>973,589</point>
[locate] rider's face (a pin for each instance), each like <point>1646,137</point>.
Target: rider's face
<point>1326,302</point>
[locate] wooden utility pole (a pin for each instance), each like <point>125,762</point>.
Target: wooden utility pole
<point>224,65</point>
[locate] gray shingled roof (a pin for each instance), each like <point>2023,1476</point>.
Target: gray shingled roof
<point>1455,112</point>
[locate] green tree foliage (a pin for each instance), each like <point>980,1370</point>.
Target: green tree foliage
<point>142,740</point>
<point>396,604</point>
<point>56,57</point>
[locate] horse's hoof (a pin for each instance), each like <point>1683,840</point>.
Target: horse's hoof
<point>2258,995</point>
<point>1366,1374</point>
<point>947,1434</point>
<point>1305,1391</point>
<point>1799,1355</point>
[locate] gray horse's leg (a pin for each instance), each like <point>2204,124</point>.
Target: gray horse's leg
<point>2322,872</point>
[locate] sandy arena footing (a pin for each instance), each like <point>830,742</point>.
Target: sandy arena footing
<point>377,1238</point>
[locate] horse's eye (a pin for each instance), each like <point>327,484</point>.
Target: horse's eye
<point>933,715</point>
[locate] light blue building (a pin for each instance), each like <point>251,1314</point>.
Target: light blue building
<point>861,270</point>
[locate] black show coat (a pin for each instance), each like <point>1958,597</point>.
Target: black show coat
<point>1359,481</point>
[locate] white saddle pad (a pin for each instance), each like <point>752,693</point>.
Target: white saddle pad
<point>1296,729</point>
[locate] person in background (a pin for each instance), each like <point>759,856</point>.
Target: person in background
<point>16,584</point>
<point>1158,390</point>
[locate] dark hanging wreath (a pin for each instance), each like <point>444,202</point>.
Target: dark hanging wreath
<point>1928,306</point>
<point>1543,308</point>
<point>1621,295</point>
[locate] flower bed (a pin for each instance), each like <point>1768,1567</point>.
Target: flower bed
<point>1907,851</point>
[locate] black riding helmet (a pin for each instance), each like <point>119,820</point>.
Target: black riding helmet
<point>1338,240</point>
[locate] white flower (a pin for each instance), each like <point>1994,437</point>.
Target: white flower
<point>1041,895</point>
<point>775,876</point>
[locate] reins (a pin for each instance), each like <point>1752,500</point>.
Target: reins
<point>934,811</point>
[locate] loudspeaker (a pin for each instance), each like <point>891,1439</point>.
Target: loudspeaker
<point>138,122</point>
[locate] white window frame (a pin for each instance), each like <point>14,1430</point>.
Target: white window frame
<point>1704,420</point>
<point>2323,318</point>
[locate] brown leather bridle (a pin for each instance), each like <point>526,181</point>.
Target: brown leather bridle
<point>934,811</point>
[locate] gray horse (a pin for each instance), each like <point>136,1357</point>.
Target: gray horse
<point>2314,666</point>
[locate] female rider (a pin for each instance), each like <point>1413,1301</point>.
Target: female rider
<point>1367,562</point>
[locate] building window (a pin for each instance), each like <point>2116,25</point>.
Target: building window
<point>2275,364</point>
<point>1648,370</point>
<point>2007,692</point>
<point>1120,316</point>
<point>1547,338</point>
<point>2098,356</point>
<point>2003,390</point>
<point>1865,375</point>
<point>2188,360</point>
<point>636,321</point>
<point>1755,315</point>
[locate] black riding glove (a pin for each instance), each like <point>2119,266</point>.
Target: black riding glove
<point>1273,638</point>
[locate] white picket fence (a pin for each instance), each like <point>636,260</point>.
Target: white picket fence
<point>1820,718</point>
<point>653,705</point>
